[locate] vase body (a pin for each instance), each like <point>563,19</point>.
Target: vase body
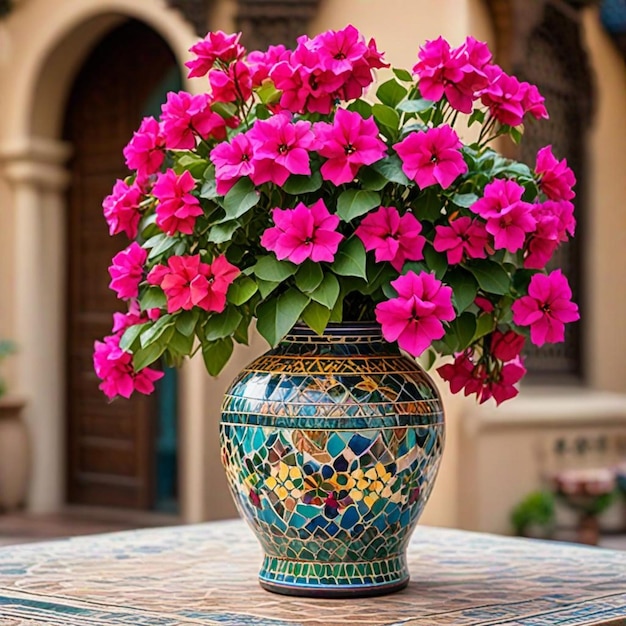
<point>331,446</point>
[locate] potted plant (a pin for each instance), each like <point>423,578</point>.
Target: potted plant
<point>534,516</point>
<point>14,444</point>
<point>359,231</point>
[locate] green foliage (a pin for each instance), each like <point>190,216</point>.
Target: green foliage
<point>350,281</point>
<point>536,509</point>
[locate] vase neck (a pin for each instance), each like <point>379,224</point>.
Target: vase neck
<point>345,333</point>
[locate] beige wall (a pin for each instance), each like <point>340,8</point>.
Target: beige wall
<point>49,40</point>
<point>606,234</point>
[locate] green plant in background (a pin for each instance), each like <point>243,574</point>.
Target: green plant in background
<point>536,509</point>
<point>6,348</point>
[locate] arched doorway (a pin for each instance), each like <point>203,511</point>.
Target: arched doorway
<point>122,453</point>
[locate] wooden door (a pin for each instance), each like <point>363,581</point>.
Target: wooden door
<point>110,446</point>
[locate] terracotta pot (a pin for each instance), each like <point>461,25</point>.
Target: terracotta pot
<point>15,457</point>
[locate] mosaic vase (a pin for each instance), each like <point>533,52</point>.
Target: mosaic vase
<point>331,447</point>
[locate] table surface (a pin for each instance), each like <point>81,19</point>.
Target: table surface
<point>206,575</point>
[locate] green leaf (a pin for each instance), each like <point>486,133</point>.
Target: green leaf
<point>241,332</point>
<point>363,108</point>
<point>403,74</point>
<point>427,206</point>
<point>271,269</point>
<point>298,185</point>
<point>427,360</point>
<point>478,115</point>
<point>309,276</point>
<point>355,202</point>
<point>516,134</point>
<point>223,231</point>
<point>386,116</point>
<point>436,261</point>
<point>415,106</point>
<point>240,199</point>
<point>391,92</point>
<point>186,322</point>
<point>464,328</point>
<point>193,163</point>
<point>464,286</point>
<point>146,356</point>
<point>130,336</point>
<point>241,290</point>
<point>222,325</point>
<point>371,179</point>
<point>216,354</point>
<point>316,317</point>
<point>163,246</point>
<point>157,329</point>
<point>350,259</point>
<point>267,92</point>
<point>276,317</point>
<point>180,344</point>
<point>464,200</point>
<point>327,292</point>
<point>209,186</point>
<point>336,315</point>
<point>391,168</point>
<point>484,325</point>
<point>152,298</point>
<point>266,287</point>
<point>491,277</point>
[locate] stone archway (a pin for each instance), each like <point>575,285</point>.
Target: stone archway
<point>33,160</point>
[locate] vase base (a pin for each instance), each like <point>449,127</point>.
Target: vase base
<point>333,580</point>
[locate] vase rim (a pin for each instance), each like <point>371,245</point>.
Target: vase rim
<point>355,331</point>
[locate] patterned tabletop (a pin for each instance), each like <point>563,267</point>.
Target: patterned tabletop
<point>206,575</point>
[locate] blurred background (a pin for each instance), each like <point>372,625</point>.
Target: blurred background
<point>76,78</point>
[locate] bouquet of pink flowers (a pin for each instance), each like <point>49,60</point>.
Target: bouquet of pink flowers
<point>286,193</point>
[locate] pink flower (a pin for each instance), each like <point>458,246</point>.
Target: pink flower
<point>556,179</point>
<point>508,218</point>
<point>262,62</point>
<point>546,308</point>
<point>501,387</point>
<point>339,50</point>
<point>184,116</point>
<point>121,209</point>
<point>432,156</point>
<point>134,316</point>
<point>232,161</point>
<point>177,209</point>
<point>303,233</point>
<point>555,220</point>
<point>505,97</point>
<point>145,151</point>
<point>188,282</point>
<point>533,102</point>
<point>413,319</point>
<point>231,84</point>
<point>506,346</point>
<point>280,148</point>
<point>115,368</point>
<point>215,46</point>
<point>464,238</point>
<point>459,373</point>
<point>457,74</point>
<point>126,271</point>
<point>348,143</point>
<point>484,304</point>
<point>393,237</point>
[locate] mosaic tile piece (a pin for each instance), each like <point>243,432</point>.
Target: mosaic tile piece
<point>331,447</point>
